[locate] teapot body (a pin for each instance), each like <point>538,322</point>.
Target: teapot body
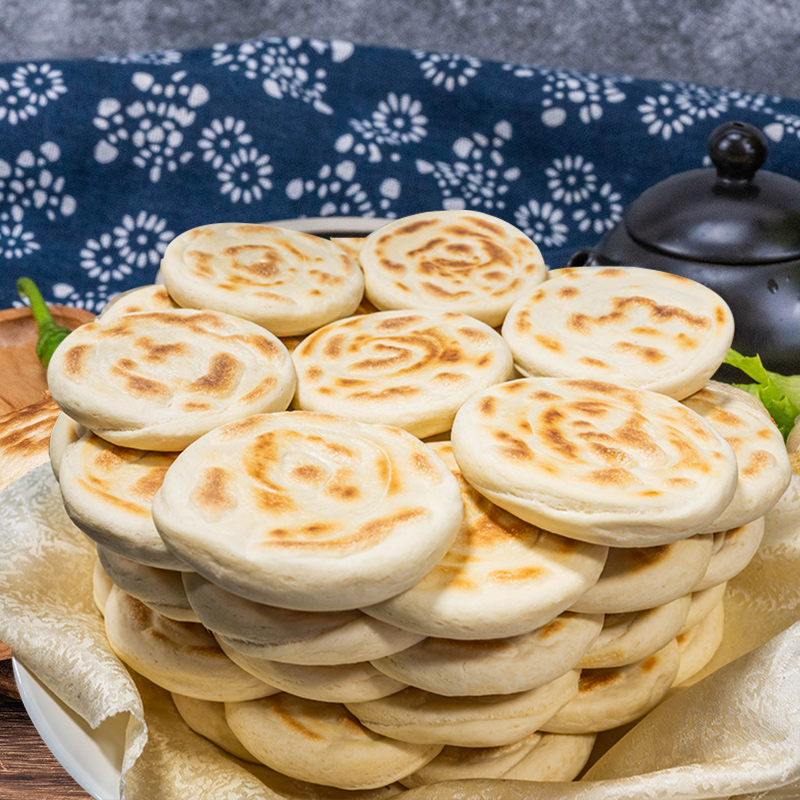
<point>765,298</point>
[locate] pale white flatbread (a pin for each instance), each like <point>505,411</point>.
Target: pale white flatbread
<point>414,715</point>
<point>703,603</point>
<point>501,576</point>
<point>636,578</point>
<point>538,757</point>
<point>308,511</point>
<point>764,466</point>
<point>157,380</point>
<point>557,757</point>
<point>608,698</point>
<point>207,718</point>
<point>24,435</point>
<point>630,325</point>
<point>731,553</point>
<point>595,461</point>
<point>635,635</point>
<point>288,282</point>
<point>294,637</point>
<point>459,763</point>
<point>410,369</point>
<point>338,683</point>
<point>154,297</point>
<point>101,586</point>
<point>350,244</point>
<point>65,432</point>
<point>159,589</point>
<point>698,645</point>
<point>454,667</point>
<point>322,743</point>
<point>108,492</point>
<point>463,261</point>
<point>180,657</point>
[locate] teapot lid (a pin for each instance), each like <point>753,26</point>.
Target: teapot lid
<point>733,214</point>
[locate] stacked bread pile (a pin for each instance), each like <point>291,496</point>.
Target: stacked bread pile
<point>328,595</point>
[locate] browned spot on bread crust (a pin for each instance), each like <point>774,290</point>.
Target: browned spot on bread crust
<point>212,494</point>
<point>74,360</point>
<point>145,488</point>
<point>223,375</point>
<point>593,679</point>
<point>289,719</point>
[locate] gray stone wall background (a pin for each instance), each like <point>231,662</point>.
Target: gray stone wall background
<point>744,44</point>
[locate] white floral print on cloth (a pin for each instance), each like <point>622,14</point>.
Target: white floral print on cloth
<point>277,127</point>
<point>28,89</point>
<point>31,197</point>
<point>153,125</point>
<point>288,68</point>
<point>340,194</point>
<point>397,121</point>
<point>479,178</point>
<point>448,70</point>
<point>564,90</point>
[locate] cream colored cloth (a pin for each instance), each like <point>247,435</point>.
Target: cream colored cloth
<point>737,733</point>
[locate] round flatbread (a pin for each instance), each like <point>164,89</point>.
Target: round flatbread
<point>460,763</point>
<point>703,603</point>
<point>322,743</point>
<point>309,512</point>
<point>289,282</point>
<point>501,576</point>
<point>732,551</point>
<point>294,637</point>
<point>159,589</point>
<point>154,297</point>
<point>157,380</point>
<point>557,757</point>
<point>108,492</point>
<point>538,757</point>
<point>636,578</point>
<point>608,698</point>
<point>24,436</point>
<point>764,466</point>
<point>65,432</point>
<point>635,635</point>
<point>207,719</point>
<point>339,683</point>
<point>699,644</point>
<point>454,667</point>
<point>180,657</point>
<point>410,369</point>
<point>463,261</point>
<point>595,461</point>
<point>101,586</point>
<point>630,325</point>
<point>414,715</point>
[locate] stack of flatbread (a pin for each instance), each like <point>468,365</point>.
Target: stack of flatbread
<point>409,508</point>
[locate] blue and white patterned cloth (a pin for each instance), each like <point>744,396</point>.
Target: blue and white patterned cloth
<point>103,161</point>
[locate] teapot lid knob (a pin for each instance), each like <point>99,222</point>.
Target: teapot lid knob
<point>737,150</point>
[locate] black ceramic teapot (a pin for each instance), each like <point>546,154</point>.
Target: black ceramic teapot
<point>731,227</point>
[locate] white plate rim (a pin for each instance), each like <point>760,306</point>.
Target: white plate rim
<point>92,757</point>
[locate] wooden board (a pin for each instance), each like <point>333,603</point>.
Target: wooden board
<point>23,378</point>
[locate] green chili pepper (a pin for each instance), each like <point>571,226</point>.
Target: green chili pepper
<point>51,334</point>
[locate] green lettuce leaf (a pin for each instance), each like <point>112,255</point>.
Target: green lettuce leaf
<point>780,394</point>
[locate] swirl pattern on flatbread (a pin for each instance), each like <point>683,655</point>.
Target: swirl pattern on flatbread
<point>450,260</point>
<point>287,281</point>
<point>595,461</point>
<point>410,369</point>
